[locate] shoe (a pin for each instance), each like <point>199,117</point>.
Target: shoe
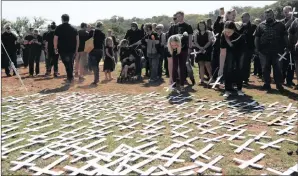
<point>290,84</point>
<point>240,93</point>
<point>193,81</point>
<point>201,83</point>
<point>227,94</point>
<point>55,75</point>
<point>266,87</point>
<point>182,89</point>
<point>47,74</point>
<point>8,75</point>
<point>280,88</point>
<point>93,84</point>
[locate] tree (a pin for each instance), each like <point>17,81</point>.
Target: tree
<point>38,22</point>
<point>22,24</point>
<point>4,22</point>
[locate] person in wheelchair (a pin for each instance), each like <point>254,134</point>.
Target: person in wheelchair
<point>127,60</point>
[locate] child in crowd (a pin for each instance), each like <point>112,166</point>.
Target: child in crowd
<point>109,62</point>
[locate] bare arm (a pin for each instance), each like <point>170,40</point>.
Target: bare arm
<point>108,54</point>
<point>210,40</point>
<point>55,42</point>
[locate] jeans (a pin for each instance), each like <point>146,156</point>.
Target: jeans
<point>154,63</point>
<point>34,56</point>
<point>179,61</point>
<point>95,58</point>
<point>267,60</point>
<point>68,60</point>
<point>233,71</point>
<point>53,61</point>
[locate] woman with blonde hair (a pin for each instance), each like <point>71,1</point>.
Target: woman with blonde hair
<point>174,59</point>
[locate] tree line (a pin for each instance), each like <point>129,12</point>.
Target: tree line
<point>120,25</point>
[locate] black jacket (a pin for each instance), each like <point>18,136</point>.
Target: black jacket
<point>134,36</point>
<point>248,32</point>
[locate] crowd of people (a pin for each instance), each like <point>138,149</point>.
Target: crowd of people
<point>223,50</point>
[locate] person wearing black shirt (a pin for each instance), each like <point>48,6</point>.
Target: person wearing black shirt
<point>293,42</point>
<point>66,43</point>
<point>185,29</point>
<point>51,55</point>
<point>257,63</point>
<point>82,57</point>
<point>287,72</point>
<point>97,53</point>
<point>27,49</point>
<point>35,52</point>
<point>232,54</point>
<point>247,29</point>
<point>269,36</point>
<point>44,36</point>
<point>9,41</point>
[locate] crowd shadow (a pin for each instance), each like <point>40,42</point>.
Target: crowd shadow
<point>153,84</point>
<point>50,78</point>
<point>175,97</point>
<point>243,103</point>
<point>63,88</point>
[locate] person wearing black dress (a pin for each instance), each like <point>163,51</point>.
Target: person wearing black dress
<point>109,62</point>
<point>203,41</point>
<point>232,55</point>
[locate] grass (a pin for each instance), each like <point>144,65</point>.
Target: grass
<point>276,159</point>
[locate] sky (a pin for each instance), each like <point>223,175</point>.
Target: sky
<point>91,11</point>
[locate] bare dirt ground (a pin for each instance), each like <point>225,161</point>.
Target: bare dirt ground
<point>11,86</point>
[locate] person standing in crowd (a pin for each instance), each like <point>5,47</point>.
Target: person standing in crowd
<point>287,71</point>
<point>35,52</point>
<point>293,43</point>
<point>154,27</point>
<point>47,61</point>
<point>9,40</point>
<point>27,47</point>
<point>81,58</point>
<point>109,62</point>
<point>115,44</point>
<point>203,44</point>
<point>218,28</point>
<point>97,52</point>
<point>161,45</point>
<point>181,28</point>
<point>66,43</point>
<point>257,63</point>
<point>134,35</point>
<point>268,37</point>
<point>209,24</point>
<point>247,29</point>
<point>90,29</point>
<point>51,55</point>
<point>152,40</point>
<point>232,55</point>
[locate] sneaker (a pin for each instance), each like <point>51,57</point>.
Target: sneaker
<point>240,93</point>
<point>227,94</point>
<point>193,81</point>
<point>280,88</point>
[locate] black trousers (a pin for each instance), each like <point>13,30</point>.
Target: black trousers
<point>287,72</point>
<point>233,71</point>
<point>215,60</point>
<point>268,60</point>
<point>68,60</point>
<point>247,64</point>
<point>180,62</point>
<point>34,57</point>
<point>257,66</point>
<point>95,58</point>
<point>26,53</point>
<point>161,59</point>
<point>166,61</point>
<point>52,60</point>
<point>6,61</point>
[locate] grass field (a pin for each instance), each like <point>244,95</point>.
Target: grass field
<point>63,108</point>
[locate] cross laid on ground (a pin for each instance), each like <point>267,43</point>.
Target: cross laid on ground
<point>201,152</point>
<point>209,165</point>
<point>282,56</point>
<point>243,146</point>
<point>271,144</point>
<point>251,162</point>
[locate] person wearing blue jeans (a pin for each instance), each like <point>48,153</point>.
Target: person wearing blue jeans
<point>68,60</point>
<point>95,57</point>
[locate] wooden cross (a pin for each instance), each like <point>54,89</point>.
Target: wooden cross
<point>209,165</point>
<point>282,56</point>
<point>243,146</point>
<point>217,82</point>
<point>251,162</point>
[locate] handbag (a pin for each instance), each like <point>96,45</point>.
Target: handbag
<point>89,44</point>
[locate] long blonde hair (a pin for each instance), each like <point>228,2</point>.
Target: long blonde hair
<point>177,39</point>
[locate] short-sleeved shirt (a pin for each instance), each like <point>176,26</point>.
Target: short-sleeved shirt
<point>50,39</point>
<point>35,46</point>
<point>238,43</point>
<point>67,38</point>
<point>99,39</point>
<point>271,36</point>
<point>9,41</point>
<point>83,37</point>
<point>29,38</point>
<point>180,29</point>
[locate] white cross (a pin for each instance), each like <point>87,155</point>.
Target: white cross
<point>187,142</point>
<point>282,56</point>
<point>291,62</point>
<point>271,144</point>
<point>182,134</point>
<point>286,130</point>
<point>243,146</point>
<point>194,53</point>
<point>204,131</point>
<point>251,162</point>
<point>201,152</point>
<point>216,82</point>
<point>47,170</point>
<point>293,12</point>
<point>237,135</point>
<point>259,136</point>
<point>209,165</point>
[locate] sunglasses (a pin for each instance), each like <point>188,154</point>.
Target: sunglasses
<point>174,18</point>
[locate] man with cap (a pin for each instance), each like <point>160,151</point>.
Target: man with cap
<point>247,29</point>
<point>9,41</point>
<point>133,36</point>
